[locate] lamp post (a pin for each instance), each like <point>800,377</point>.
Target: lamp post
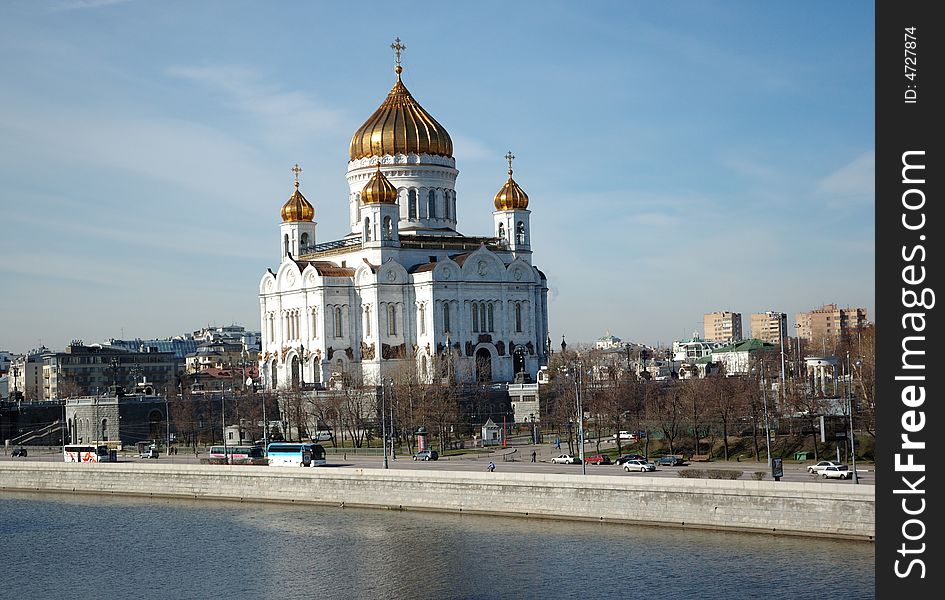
<point>764,401</point>
<point>226,456</point>
<point>383,424</point>
<point>781,341</point>
<point>580,416</point>
<point>167,422</point>
<point>856,478</point>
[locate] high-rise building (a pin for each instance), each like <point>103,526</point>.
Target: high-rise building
<point>722,326</point>
<point>769,326</point>
<point>829,321</point>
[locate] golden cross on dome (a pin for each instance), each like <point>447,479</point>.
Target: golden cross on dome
<point>397,47</point>
<point>510,157</point>
<point>296,169</point>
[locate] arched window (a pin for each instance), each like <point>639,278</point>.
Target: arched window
<point>367,229</point>
<point>391,319</point>
<point>286,242</point>
<point>314,322</point>
<point>518,317</point>
<point>273,376</point>
<point>520,233</point>
<point>423,366</point>
<point>304,239</point>
<point>367,321</point>
<point>104,436</point>
<point>501,231</point>
<point>357,206</point>
<point>491,321</point>
<point>422,317</point>
<point>446,204</point>
<point>431,204</point>
<point>475,316</point>
<point>338,328</point>
<point>446,317</point>
<point>412,204</point>
<point>388,229</point>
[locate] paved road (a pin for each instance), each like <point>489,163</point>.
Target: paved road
<point>520,464</point>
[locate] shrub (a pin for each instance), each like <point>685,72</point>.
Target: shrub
<point>723,474</point>
<point>692,473</point>
<point>758,475</point>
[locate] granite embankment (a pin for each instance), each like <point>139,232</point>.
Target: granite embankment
<point>814,509</point>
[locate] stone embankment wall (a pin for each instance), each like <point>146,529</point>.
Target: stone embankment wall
<point>814,509</point>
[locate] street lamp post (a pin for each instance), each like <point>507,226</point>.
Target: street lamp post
<point>580,416</point>
<point>383,424</point>
<point>764,401</point>
<point>856,478</point>
<point>226,456</point>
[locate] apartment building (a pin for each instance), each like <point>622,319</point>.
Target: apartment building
<point>829,321</point>
<point>722,326</point>
<point>769,326</point>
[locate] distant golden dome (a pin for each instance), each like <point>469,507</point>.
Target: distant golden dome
<point>400,126</point>
<point>297,208</point>
<point>511,196</point>
<point>379,190</point>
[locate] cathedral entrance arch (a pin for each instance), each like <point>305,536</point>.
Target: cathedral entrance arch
<point>518,360</point>
<point>155,425</point>
<point>295,372</point>
<point>483,366</point>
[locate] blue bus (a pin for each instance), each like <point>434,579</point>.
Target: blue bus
<point>288,454</point>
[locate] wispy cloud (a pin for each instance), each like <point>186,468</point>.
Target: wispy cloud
<point>851,184</point>
<point>284,114</point>
<point>84,4</point>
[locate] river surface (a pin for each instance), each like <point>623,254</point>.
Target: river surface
<point>82,546</point>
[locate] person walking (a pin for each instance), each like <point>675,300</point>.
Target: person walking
<point>534,455</point>
<point>491,466</point>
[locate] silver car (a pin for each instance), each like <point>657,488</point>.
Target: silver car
<point>638,465</point>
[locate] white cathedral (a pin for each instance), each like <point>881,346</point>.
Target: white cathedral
<point>404,287</point>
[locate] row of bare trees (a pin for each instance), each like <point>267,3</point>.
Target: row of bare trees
<point>697,414</point>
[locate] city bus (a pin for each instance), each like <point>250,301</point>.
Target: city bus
<point>287,454</point>
<point>88,453</point>
<point>236,452</point>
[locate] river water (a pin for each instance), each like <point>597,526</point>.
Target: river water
<point>58,546</point>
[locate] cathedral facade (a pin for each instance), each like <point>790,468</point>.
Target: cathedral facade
<point>404,289</point>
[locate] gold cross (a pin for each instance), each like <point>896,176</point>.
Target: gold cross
<point>296,169</point>
<point>510,157</point>
<point>398,48</point>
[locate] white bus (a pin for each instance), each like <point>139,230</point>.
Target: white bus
<point>88,453</point>
<point>287,454</point>
<point>237,452</point>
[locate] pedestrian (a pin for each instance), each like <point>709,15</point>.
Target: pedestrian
<point>491,467</point>
<point>534,455</point>
<point>557,443</point>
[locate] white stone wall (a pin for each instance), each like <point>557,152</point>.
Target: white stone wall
<point>814,509</point>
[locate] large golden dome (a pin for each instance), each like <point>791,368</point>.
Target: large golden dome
<point>511,196</point>
<point>379,190</point>
<point>400,126</point>
<point>297,208</point>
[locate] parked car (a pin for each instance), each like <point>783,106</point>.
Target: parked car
<point>625,436</point>
<point>426,455</point>
<point>627,457</point>
<point>638,465</point>
<point>565,459</point>
<point>597,459</point>
<point>822,465</point>
<point>670,460</point>
<point>836,472</point>
<point>18,452</point>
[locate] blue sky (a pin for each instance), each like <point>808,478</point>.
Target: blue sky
<point>680,157</point>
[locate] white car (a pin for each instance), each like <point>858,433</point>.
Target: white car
<point>638,465</point>
<point>836,472</point>
<point>625,436</point>
<point>564,459</point>
<point>822,465</point>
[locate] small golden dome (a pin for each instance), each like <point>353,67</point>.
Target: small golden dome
<point>297,208</point>
<point>400,126</point>
<point>379,190</point>
<point>511,196</point>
